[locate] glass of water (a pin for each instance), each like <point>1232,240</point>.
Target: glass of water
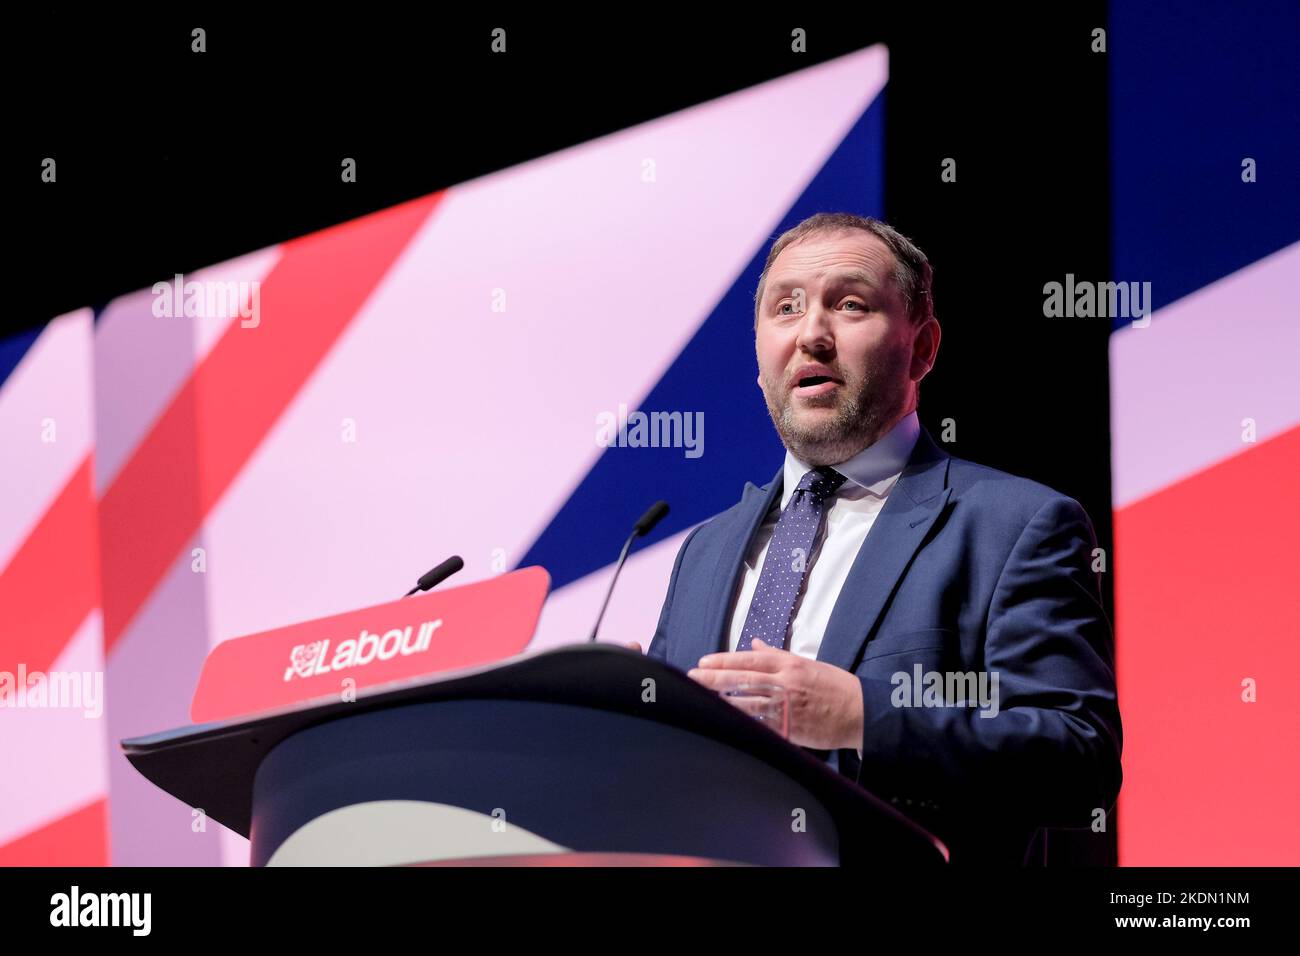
<point>763,702</point>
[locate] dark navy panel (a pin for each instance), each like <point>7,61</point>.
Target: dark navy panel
<point>715,374</point>
<point>1195,88</point>
<point>12,350</point>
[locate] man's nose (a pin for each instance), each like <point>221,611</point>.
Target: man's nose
<point>815,332</point>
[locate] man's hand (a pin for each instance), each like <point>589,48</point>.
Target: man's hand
<point>824,702</point>
<point>634,646</point>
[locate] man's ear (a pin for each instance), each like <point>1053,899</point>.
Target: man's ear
<point>925,349</point>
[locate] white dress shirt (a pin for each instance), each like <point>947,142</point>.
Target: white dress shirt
<point>847,518</point>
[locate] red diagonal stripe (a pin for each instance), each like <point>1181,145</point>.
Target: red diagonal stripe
<point>50,584</point>
<point>217,420</point>
<point>1205,596</point>
<point>78,839</point>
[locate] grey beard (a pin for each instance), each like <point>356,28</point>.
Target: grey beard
<point>860,418</point>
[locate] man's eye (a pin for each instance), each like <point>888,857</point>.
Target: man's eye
<point>855,302</point>
<point>782,306</point>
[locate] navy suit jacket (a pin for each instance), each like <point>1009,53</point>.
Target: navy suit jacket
<point>966,569</point>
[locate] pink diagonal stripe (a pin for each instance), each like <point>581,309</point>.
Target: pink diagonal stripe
<point>220,416</point>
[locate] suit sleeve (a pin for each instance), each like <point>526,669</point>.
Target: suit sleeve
<point>1051,753</point>
<point>659,643</point>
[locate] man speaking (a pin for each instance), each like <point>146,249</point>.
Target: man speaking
<point>876,573</point>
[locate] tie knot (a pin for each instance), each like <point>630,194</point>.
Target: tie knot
<point>821,482</point>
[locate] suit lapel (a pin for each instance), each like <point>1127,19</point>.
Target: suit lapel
<point>754,505</point>
<point>912,507</point>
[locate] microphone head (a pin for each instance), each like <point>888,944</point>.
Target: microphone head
<point>441,572</point>
<point>652,517</point>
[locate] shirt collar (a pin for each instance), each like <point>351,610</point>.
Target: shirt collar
<point>874,469</point>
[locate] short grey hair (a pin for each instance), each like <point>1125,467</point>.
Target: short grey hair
<point>912,273</point>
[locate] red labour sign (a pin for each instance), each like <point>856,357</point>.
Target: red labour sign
<point>334,656</point>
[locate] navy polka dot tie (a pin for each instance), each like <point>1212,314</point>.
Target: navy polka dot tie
<point>787,559</point>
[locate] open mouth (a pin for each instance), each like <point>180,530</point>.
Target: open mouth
<point>811,385</point>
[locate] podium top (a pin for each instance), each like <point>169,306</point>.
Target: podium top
<point>212,765</point>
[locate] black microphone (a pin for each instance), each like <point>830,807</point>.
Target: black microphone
<point>642,528</point>
<point>439,574</point>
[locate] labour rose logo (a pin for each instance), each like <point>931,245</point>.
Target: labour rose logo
<point>303,659</point>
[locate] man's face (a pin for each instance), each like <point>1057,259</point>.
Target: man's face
<point>836,362</point>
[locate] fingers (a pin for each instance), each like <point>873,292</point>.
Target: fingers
<point>634,646</point>
<point>716,678</point>
<point>767,659</point>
